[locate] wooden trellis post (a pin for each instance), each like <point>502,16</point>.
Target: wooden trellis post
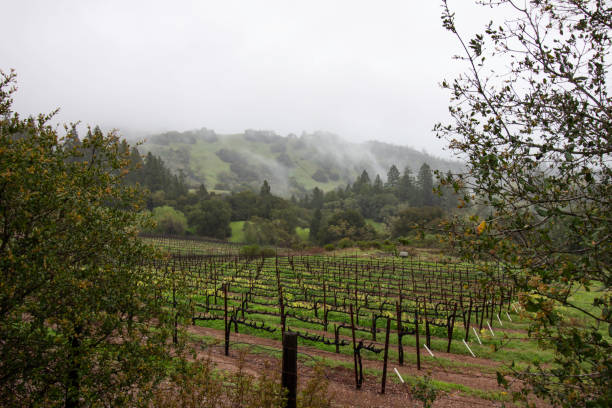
<point>385,357</point>
<point>289,375</point>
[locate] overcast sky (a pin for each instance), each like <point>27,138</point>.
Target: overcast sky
<point>365,70</point>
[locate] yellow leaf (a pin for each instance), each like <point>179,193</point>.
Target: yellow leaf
<point>481,227</point>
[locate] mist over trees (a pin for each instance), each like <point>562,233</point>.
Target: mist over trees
<point>293,165</point>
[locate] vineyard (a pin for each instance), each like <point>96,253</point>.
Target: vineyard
<point>430,315</point>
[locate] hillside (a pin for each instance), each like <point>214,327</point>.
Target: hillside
<point>291,164</point>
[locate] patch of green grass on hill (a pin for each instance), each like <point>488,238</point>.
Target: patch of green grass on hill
<point>237,231</point>
<point>303,171</point>
<point>303,233</point>
<point>379,227</point>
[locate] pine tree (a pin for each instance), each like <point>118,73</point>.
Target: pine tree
<point>406,189</point>
<point>425,185</point>
<point>393,177</point>
<point>315,226</point>
<point>378,184</point>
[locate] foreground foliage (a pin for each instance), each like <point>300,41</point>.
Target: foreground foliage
<point>537,137</point>
<point>79,320</point>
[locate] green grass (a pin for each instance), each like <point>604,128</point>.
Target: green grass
<point>379,227</point>
<point>237,231</point>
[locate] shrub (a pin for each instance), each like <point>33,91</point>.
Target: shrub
<point>405,241</point>
<point>256,250</point>
<point>329,247</point>
<point>391,249</point>
<point>267,252</point>
<point>169,220</point>
<point>363,245</point>
<point>345,243</point>
<point>425,391</point>
<point>374,244</point>
<point>250,250</point>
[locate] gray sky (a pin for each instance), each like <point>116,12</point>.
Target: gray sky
<point>366,70</point>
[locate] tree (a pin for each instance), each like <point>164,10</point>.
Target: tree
<point>345,224</point>
<point>363,183</point>
<point>378,184</point>
<point>77,309</point>
<point>315,225</point>
<point>393,177</point>
<point>211,218</point>
<point>169,220</point>
<point>536,134</point>
<point>318,197</point>
<point>265,189</point>
<point>406,189</point>
<point>425,185</point>
<point>414,219</point>
<point>276,232</point>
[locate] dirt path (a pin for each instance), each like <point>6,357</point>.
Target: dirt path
<point>342,380</point>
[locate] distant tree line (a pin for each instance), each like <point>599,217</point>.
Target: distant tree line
<point>402,202</point>
<point>399,204</point>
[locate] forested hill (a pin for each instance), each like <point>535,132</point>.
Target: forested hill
<point>291,164</point>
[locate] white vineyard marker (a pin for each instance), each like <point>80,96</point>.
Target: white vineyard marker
<point>509,318</point>
<point>500,322</point>
<point>468,347</point>
<point>490,328</point>
<point>478,337</point>
<point>427,348</point>
<point>399,375</point>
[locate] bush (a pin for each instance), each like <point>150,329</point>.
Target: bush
<point>267,252</point>
<point>329,247</point>
<point>374,244</point>
<point>363,245</point>
<point>255,250</point>
<point>169,220</point>
<point>316,393</point>
<point>425,391</point>
<point>391,249</point>
<point>345,243</point>
<point>250,250</point>
<point>405,241</point>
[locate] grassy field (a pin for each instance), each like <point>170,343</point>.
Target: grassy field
<point>379,227</point>
<point>237,231</point>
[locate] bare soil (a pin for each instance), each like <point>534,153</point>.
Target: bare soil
<point>342,379</point>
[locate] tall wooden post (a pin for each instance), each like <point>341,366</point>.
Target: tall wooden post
<point>400,347</point>
<point>227,325</point>
<point>289,376</point>
<point>416,332</point>
<point>451,326</point>
<point>385,357</point>
<point>357,383</point>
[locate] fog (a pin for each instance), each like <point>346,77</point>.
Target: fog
<point>363,70</point>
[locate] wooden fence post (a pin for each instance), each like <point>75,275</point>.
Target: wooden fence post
<point>451,326</point>
<point>400,347</point>
<point>386,355</point>
<point>416,331</point>
<point>289,376</point>
<point>357,382</point>
<point>227,325</point>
